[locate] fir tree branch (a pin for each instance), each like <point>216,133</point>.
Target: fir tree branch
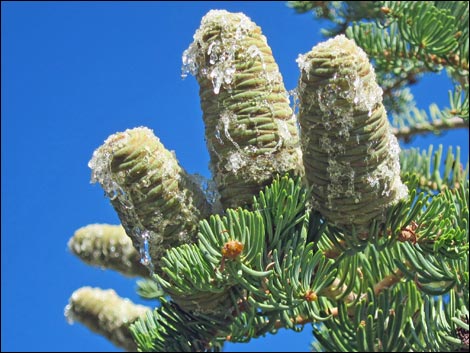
<point>237,268</point>
<point>341,13</point>
<point>338,289</point>
<point>149,289</point>
<point>388,281</point>
<point>434,170</point>
<point>436,126</point>
<point>298,320</point>
<point>369,277</point>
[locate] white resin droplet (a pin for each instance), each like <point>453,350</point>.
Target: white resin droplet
<point>235,161</point>
<point>222,52</point>
<point>145,258</point>
<point>208,187</point>
<point>69,315</point>
<point>226,118</point>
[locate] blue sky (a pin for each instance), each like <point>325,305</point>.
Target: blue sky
<point>72,74</point>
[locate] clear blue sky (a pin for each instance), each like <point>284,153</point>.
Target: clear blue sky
<point>72,74</point>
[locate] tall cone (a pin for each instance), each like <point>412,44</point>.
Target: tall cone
<point>251,132</point>
<point>350,155</point>
<point>157,202</point>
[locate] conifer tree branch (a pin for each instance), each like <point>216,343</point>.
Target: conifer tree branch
<point>344,245</point>
<point>388,281</point>
<point>298,320</point>
<point>436,126</point>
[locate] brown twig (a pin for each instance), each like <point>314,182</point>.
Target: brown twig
<point>448,124</point>
<point>298,320</point>
<point>388,281</point>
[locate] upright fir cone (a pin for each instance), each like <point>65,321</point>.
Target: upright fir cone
<point>157,202</point>
<point>251,131</point>
<point>104,312</point>
<point>349,153</point>
<point>107,246</point>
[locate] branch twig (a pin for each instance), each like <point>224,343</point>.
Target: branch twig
<point>388,281</point>
<point>438,125</point>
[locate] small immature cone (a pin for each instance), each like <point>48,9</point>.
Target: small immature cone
<point>350,155</point>
<point>107,246</point>
<point>104,312</point>
<point>251,131</point>
<point>157,202</point>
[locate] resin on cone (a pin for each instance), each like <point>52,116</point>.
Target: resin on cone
<point>251,131</point>
<point>349,153</point>
<point>158,204</point>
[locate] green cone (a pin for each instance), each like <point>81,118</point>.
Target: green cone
<point>350,155</point>
<point>104,312</point>
<point>107,246</point>
<point>158,203</point>
<point>251,132</point>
